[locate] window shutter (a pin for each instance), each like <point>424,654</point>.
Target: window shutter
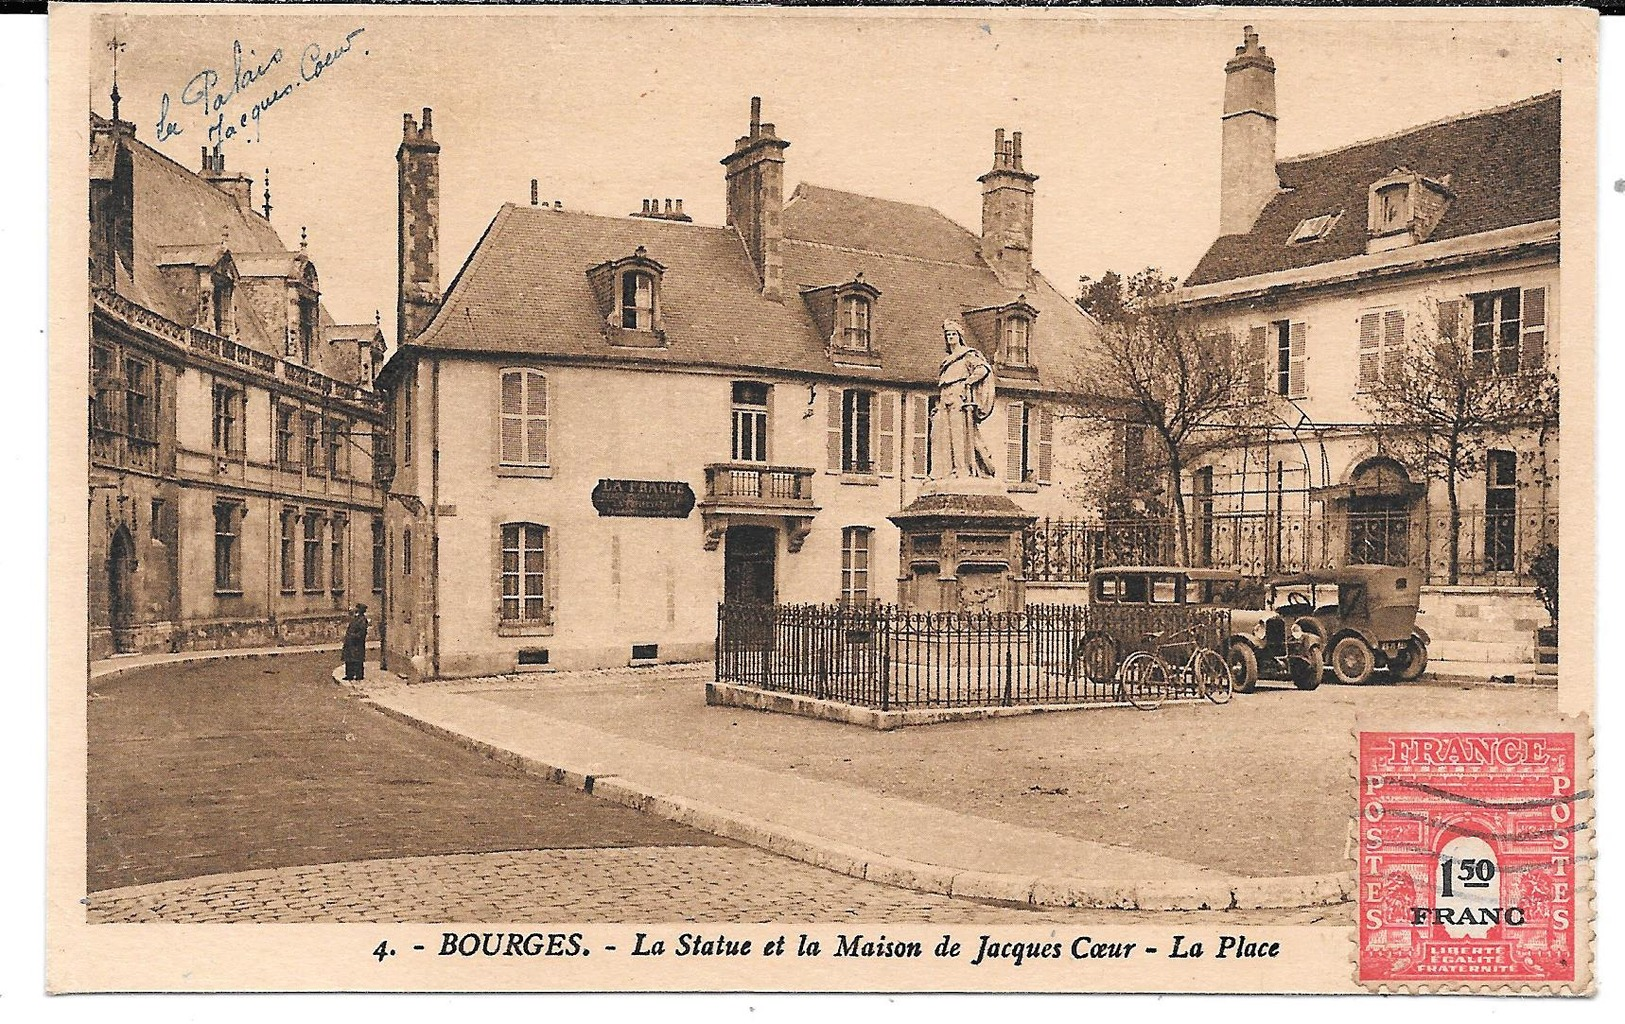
<point>1012,446</point>
<point>1393,342</point>
<point>1370,349</point>
<point>1450,318</point>
<point>920,410</point>
<point>1297,338</point>
<point>886,434</point>
<point>536,421</point>
<point>832,435</point>
<point>513,407</point>
<point>1532,355</point>
<point>1046,443</point>
<point>1257,368</point>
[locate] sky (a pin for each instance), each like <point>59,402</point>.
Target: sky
<point>1120,114</point>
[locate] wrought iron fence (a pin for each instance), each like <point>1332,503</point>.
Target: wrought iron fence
<point>1495,546</point>
<point>880,656</point>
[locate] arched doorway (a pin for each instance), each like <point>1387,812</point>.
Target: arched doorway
<point>121,589</point>
<point>1379,510</point>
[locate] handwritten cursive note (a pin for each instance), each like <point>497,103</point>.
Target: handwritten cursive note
<point>234,104</point>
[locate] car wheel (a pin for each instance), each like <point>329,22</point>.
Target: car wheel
<point>1353,661</point>
<point>1306,672</point>
<point>1243,668</point>
<point>1411,662</point>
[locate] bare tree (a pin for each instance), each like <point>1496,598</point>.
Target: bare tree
<point>1451,391</point>
<point>1189,384</point>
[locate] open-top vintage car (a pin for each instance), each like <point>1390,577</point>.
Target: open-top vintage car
<point>1260,642</point>
<point>1367,615</point>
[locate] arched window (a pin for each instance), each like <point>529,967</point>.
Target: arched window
<point>524,418</point>
<point>523,593</point>
<point>855,322</point>
<point>637,300</point>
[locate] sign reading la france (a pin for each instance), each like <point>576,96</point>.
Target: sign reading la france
<point>650,499</point>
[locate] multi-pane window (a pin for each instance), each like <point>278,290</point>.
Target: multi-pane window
<point>313,552</point>
<point>1500,510</point>
<point>140,394</point>
<point>1028,443</point>
<point>855,323</point>
<point>338,462</point>
<point>1497,328</point>
<point>103,415</point>
<point>228,569</point>
<point>855,564</point>
<point>1016,332</point>
<point>286,449</point>
<point>637,300</point>
<point>749,422</point>
<point>524,418</point>
<point>335,560</point>
<point>289,552</point>
<point>1382,346</point>
<point>222,305</point>
<point>857,412</point>
<point>228,419</point>
<point>313,442</point>
<point>307,329</point>
<point>524,567</point>
<point>379,564</point>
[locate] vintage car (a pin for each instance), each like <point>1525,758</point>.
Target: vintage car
<point>1371,624</point>
<point>1259,641</point>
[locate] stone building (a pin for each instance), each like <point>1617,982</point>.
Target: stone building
<point>1323,264</point>
<point>609,424</point>
<point>231,418</point>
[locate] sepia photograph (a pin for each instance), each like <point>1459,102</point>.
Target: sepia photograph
<point>822,499</point>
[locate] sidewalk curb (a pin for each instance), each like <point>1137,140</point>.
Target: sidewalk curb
<point>109,667</point>
<point>1220,892</point>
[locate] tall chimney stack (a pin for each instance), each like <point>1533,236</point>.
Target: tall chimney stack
<point>239,187</point>
<point>1247,178</point>
<point>418,234</point>
<point>1007,213</point>
<point>756,199</point>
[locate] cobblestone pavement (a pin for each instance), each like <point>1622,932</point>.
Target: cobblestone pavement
<point>640,884</point>
<point>226,766</point>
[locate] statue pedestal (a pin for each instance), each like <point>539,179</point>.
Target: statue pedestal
<point>961,548</point>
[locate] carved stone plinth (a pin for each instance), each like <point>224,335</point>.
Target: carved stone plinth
<point>961,548</point>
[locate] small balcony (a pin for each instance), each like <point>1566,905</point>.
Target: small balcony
<point>746,491</point>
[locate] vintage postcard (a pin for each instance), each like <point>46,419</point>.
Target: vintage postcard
<point>822,499</point>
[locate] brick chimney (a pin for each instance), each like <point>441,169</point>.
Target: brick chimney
<point>756,198</point>
<point>652,210</point>
<point>1247,179</point>
<point>239,187</point>
<point>1007,213</point>
<point>418,164</point>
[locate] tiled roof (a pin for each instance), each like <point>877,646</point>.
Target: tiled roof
<point>525,289</point>
<point>1503,166</point>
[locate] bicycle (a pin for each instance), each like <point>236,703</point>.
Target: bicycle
<point>1171,667</point>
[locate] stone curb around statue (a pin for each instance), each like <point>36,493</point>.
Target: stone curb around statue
<point>1218,892</point>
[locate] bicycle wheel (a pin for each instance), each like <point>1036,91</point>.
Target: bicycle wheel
<point>1142,680</point>
<point>1212,675</point>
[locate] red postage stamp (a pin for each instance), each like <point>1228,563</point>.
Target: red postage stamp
<point>1467,857</point>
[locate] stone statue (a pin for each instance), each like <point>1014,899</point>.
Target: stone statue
<point>966,387</point>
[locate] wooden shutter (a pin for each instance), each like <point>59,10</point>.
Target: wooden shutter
<point>886,433</point>
<point>1393,343</point>
<point>1257,369</point>
<point>920,412</point>
<point>536,419</point>
<point>1450,318</point>
<point>1046,443</point>
<point>1532,354</point>
<point>832,435</point>
<point>1012,445</point>
<point>1297,339</point>
<point>1370,349</point>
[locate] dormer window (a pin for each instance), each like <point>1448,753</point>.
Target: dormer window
<point>1017,328</point>
<point>1404,208</point>
<point>221,321</point>
<point>1391,210</point>
<point>637,300</point>
<point>628,291</point>
<point>855,311</point>
<point>1313,229</point>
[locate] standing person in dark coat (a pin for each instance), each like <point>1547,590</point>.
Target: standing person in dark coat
<point>355,645</point>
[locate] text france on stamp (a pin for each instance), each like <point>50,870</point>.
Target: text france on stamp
<point>1467,857</point>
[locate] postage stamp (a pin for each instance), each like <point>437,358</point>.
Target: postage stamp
<point>1468,856</point>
